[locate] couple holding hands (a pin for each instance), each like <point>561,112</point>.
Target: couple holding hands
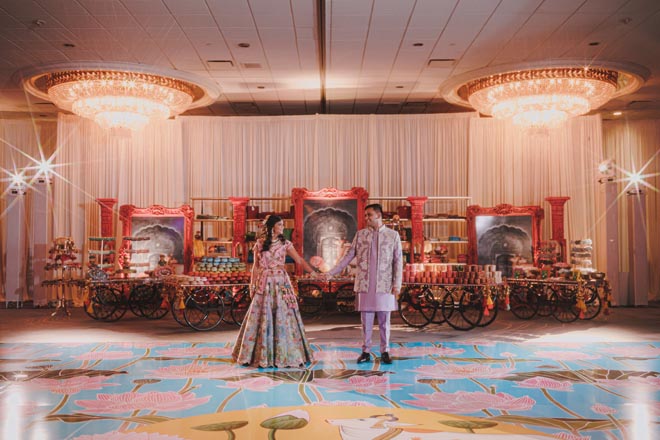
<point>273,335</point>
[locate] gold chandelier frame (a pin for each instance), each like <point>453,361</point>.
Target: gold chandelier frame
<point>119,94</point>
<point>585,87</point>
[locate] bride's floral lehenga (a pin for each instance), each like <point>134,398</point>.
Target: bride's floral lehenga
<point>272,334</point>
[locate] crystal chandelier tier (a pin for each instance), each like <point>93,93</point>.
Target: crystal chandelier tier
<point>119,95</point>
<point>119,99</point>
<point>543,94</point>
<point>543,97</point>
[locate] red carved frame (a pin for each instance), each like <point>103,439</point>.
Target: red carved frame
<point>536,212</point>
<point>299,195</point>
<point>126,212</point>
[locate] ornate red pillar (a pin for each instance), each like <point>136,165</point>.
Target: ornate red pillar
<point>557,206</point>
<point>239,206</point>
<point>106,216</point>
<point>417,225</point>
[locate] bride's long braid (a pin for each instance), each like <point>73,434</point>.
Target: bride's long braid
<point>271,221</point>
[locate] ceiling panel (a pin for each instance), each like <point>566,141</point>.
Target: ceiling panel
<point>195,21</point>
<point>104,7</point>
<point>369,44</point>
<point>146,7</point>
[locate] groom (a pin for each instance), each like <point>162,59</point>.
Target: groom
<point>377,280</point>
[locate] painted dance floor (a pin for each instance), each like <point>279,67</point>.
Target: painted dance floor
<point>455,390</point>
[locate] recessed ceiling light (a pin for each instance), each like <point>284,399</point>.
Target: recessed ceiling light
<point>261,87</point>
<point>617,113</point>
<point>69,45</point>
<point>243,44</point>
<point>594,43</point>
<point>39,22</point>
<point>418,44</point>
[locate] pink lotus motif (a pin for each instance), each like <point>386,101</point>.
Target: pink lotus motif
<point>655,408</point>
<point>469,402</point>
<point>334,355</point>
<point>104,355</point>
<point>566,355</point>
<point>73,385</point>
<point>196,351</point>
<point>634,351</point>
<point>194,370</point>
<point>571,436</point>
<point>254,384</point>
<point>365,385</point>
<point>117,435</point>
<point>342,403</point>
<point>425,351</point>
<point>151,401</point>
<point>603,409</point>
<point>644,382</point>
<point>461,371</point>
<point>546,383</point>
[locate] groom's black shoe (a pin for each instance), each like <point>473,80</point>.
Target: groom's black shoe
<point>385,358</point>
<point>364,357</point>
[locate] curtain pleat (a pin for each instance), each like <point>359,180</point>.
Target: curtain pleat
<point>635,147</point>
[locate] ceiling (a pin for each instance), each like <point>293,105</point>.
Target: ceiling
<point>285,57</point>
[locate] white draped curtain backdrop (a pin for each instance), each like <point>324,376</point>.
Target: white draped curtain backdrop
<point>389,155</point>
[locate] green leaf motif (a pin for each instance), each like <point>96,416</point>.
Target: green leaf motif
<point>223,426</point>
<point>469,425</point>
<point>565,424</point>
<point>58,374</point>
<point>284,422</point>
<point>81,418</point>
<point>582,376</point>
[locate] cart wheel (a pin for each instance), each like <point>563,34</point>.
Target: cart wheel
<point>227,297</point>
<point>177,312</point>
<point>240,305</point>
<point>475,304</point>
<point>593,302</point>
<point>453,310</point>
<point>346,299</point>
<point>310,299</point>
<point>566,307</point>
<point>136,296</point>
<point>203,310</point>
<point>438,293</point>
<point>149,301</point>
<point>103,303</point>
<point>546,306</point>
<point>417,307</point>
<point>523,302</point>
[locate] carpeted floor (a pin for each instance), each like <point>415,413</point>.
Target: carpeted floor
<point>74,378</point>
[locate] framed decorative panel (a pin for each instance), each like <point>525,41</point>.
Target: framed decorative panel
<point>504,235</point>
<point>326,222</point>
<point>169,231</point>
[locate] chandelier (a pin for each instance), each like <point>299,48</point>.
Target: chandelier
<point>120,95</point>
<point>541,96</point>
